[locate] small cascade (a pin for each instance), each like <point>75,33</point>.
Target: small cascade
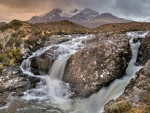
<point>57,70</point>
<point>25,65</point>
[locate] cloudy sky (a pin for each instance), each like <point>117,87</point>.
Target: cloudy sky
<point>138,10</point>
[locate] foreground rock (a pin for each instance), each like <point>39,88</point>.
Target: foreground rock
<point>12,81</point>
<point>136,97</point>
<point>103,59</point>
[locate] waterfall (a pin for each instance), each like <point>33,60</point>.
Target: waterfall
<point>51,88</point>
<point>55,93</point>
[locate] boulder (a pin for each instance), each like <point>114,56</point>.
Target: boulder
<point>144,51</point>
<point>103,59</point>
<point>40,65</point>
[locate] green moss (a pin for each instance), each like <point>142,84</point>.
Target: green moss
<point>15,53</point>
<point>5,60</point>
<point>1,58</point>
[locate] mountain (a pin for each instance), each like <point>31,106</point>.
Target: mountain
<point>86,17</point>
<point>57,14</point>
<point>102,19</point>
<point>2,23</point>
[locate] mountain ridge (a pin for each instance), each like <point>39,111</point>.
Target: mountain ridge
<point>86,17</point>
<point>2,23</point>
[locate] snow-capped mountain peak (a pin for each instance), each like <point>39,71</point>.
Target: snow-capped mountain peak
<point>70,14</point>
<point>86,14</point>
<point>58,14</point>
<point>56,11</point>
<point>86,17</point>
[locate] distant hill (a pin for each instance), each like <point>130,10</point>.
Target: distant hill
<point>123,27</point>
<point>2,23</point>
<point>86,17</point>
<point>61,27</point>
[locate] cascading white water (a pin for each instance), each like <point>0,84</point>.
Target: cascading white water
<point>60,64</point>
<point>55,93</point>
<point>51,88</point>
<point>25,65</point>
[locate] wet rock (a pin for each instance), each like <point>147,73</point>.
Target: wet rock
<point>14,107</point>
<point>3,98</point>
<point>103,59</point>
<point>40,65</point>
<point>137,92</point>
<point>12,80</point>
<point>144,51</point>
<point>56,39</point>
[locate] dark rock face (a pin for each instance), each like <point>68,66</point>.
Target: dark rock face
<point>137,92</point>
<point>40,65</point>
<point>144,51</point>
<point>103,59</point>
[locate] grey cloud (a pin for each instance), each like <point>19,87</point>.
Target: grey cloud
<point>133,7</point>
<point>25,9</point>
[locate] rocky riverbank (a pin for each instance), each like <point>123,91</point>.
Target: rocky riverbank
<point>136,97</point>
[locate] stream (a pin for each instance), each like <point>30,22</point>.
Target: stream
<point>52,95</point>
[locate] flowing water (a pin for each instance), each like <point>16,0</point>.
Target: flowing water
<point>52,95</point>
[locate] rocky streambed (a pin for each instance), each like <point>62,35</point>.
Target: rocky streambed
<point>85,63</point>
<point>135,98</point>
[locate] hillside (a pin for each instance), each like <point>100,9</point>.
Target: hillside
<point>62,27</point>
<point>122,27</point>
<point>49,28</point>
